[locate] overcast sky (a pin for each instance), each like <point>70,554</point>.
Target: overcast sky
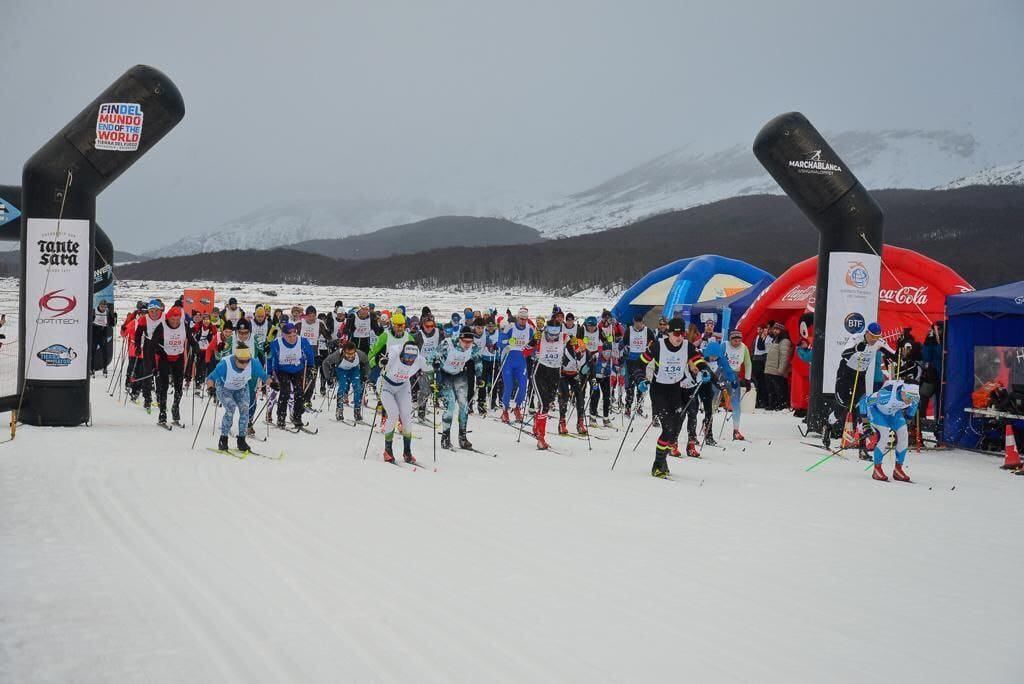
<point>473,103</point>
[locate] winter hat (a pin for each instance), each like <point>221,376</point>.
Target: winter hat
<point>523,312</point>
<point>735,334</point>
<point>874,328</point>
<point>425,311</point>
<point>552,332</point>
<point>398,319</point>
<point>140,305</point>
<point>288,328</point>
<point>466,332</point>
<point>409,353</point>
<point>242,353</point>
<point>155,304</point>
<point>232,301</point>
<point>590,320</point>
<point>243,324</point>
<point>174,312</point>
<point>676,325</point>
<point>570,315</point>
<point>310,309</point>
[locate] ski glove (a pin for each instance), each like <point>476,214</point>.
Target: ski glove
<point>642,387</point>
<point>745,384</point>
<point>211,390</point>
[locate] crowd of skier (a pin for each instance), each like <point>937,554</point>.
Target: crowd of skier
<point>280,365</point>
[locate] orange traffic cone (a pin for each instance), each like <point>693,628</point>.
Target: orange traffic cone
<point>1012,455</point>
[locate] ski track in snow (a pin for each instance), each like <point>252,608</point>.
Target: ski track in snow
<point>130,557</point>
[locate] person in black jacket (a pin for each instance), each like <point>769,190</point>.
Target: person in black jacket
<point>102,336</point>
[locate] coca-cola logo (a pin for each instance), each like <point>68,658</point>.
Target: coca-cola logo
<point>799,294</point>
<point>905,295</point>
<point>57,303</point>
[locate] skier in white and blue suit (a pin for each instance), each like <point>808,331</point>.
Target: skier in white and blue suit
<point>888,410</point>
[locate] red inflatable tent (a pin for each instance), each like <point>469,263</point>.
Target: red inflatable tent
<point>925,284</point>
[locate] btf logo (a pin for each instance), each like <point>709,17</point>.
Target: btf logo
<point>57,303</point>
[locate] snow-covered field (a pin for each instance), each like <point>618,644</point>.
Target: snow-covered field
<point>441,302</point>
<point>127,556</point>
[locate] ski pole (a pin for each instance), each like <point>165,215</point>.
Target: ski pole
<point>623,442</point>
<point>533,386</point>
<point>199,429</point>
<point>117,366</point>
<point>433,418</point>
<point>373,423</point>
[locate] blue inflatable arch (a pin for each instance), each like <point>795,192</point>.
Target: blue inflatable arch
<point>675,287</point>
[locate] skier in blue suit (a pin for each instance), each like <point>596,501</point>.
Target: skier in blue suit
<point>888,410</point>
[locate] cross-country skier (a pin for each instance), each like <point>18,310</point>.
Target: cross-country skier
<point>636,341</point>
<point>550,348</point>
<point>486,339</point>
<point>207,339</point>
<point>349,367</point>
<point>230,382</point>
<point>288,362</point>
<point>103,320</point>
<point>888,410</point>
<point>664,368</point>
<point>722,378</point>
<point>396,397</point>
<point>572,381</point>
<point>428,339</point>
<point>738,357</point>
<point>165,353</point>
<point>144,370</point>
<point>363,329</point>
<point>514,344</point>
<point>601,389</point>
<point>855,377</point>
<point>455,361</point>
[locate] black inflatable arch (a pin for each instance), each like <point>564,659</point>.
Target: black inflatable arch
<point>847,218</point>
<point>61,181</point>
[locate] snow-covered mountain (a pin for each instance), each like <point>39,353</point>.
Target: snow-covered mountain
<point>684,177</point>
<point>286,224</point>
<point>1006,174</point>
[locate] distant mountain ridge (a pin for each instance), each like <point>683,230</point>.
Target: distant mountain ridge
<point>466,231</point>
<point>1005,174</point>
<point>683,178</point>
<point>966,228</point>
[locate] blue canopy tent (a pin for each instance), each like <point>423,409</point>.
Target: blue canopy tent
<point>984,318</point>
<point>737,304</point>
<point>676,287</point>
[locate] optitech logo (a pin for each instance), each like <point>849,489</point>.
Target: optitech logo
<point>857,275</point>
<point>854,323</point>
<point>57,355</point>
<point>56,303</point>
<point>815,164</point>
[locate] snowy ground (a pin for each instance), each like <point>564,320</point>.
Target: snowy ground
<point>129,557</point>
<point>441,302</point>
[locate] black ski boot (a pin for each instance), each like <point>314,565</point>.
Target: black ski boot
<point>464,443</point>
<point>222,445</point>
<point>339,413</point>
<point>446,439</point>
<point>162,418</point>
<point>660,467</point>
<point>243,446</point>
<point>358,413</point>
<point>280,422</point>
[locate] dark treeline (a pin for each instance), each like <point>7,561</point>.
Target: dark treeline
<point>979,231</point>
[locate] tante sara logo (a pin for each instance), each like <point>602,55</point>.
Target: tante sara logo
<point>857,275</point>
<point>59,252</point>
<point>57,355</point>
<point>854,323</point>
<point>815,164</point>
